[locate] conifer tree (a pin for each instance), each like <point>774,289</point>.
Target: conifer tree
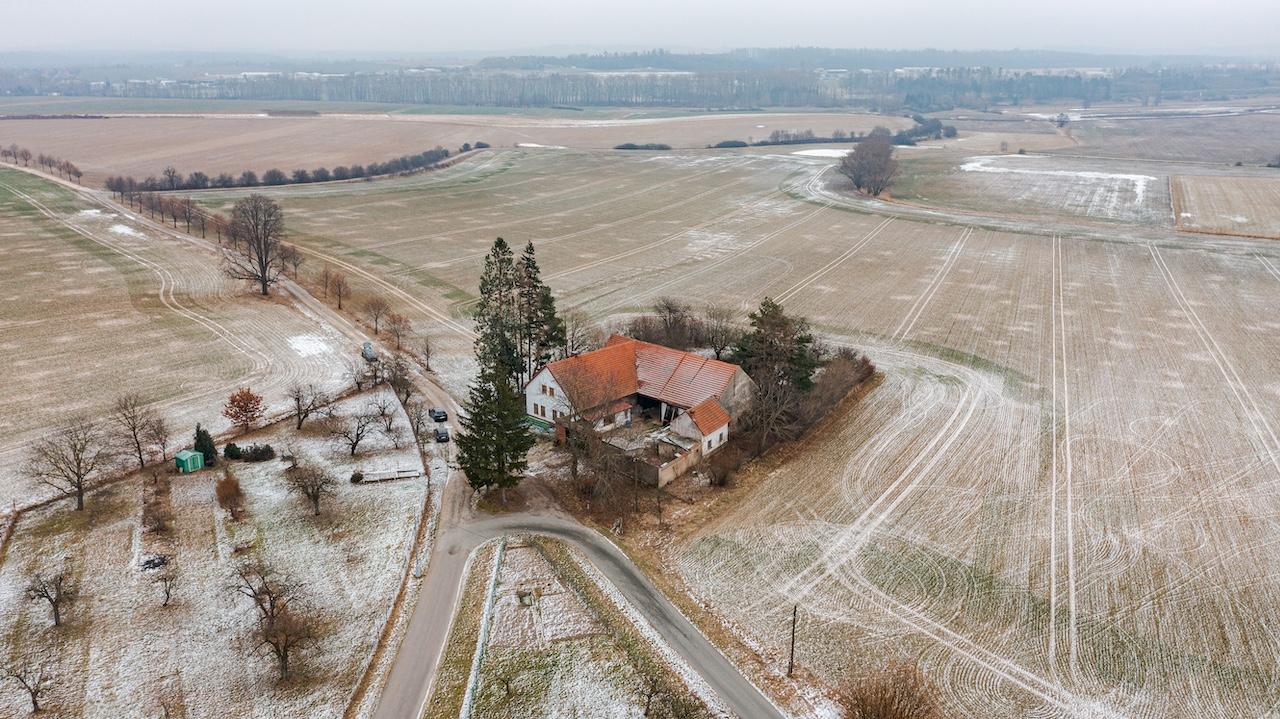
<point>779,350</point>
<point>497,346</point>
<point>204,445</point>
<point>539,330</point>
<point>495,438</point>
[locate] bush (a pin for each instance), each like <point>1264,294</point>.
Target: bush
<point>231,451</point>
<point>230,498</point>
<point>729,143</point>
<point>357,477</point>
<point>259,453</point>
<point>900,693</point>
<point>482,145</point>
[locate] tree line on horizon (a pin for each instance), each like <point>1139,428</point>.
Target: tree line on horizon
<point>172,180</point>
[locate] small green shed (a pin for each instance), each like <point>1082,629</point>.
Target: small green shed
<point>189,461</point>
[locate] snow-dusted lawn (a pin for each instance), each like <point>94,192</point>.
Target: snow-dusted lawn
<point>556,654</point>
<point>120,651</point>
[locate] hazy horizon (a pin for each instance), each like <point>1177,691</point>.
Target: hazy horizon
<point>324,28</point>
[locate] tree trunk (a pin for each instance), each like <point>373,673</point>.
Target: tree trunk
<point>79,499</point>
<point>57,614</point>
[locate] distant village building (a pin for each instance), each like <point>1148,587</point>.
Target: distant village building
<point>683,401</point>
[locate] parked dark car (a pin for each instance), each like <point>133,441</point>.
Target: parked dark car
<point>442,434</point>
<point>438,414</point>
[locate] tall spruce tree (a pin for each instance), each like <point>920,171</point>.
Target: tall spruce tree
<point>495,438</point>
<point>539,330</point>
<point>497,344</point>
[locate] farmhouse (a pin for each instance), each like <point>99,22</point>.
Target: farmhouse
<point>691,400</point>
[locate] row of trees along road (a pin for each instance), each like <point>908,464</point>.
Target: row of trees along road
<point>518,334</point>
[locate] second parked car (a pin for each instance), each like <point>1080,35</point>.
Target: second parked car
<point>442,434</point>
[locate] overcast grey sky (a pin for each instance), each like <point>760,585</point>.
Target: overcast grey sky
<point>433,26</point>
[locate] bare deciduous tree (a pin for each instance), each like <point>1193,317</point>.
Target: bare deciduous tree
<point>375,308</point>
<point>424,352</point>
<point>69,458</point>
<point>311,481</point>
<point>157,435</point>
<point>341,288</point>
<point>420,421</point>
<point>292,629</point>
<point>307,400</point>
<point>283,623</point>
<point>57,590</point>
<point>400,379</point>
<point>720,329</point>
<point>33,678</point>
<point>133,423</point>
<point>349,432</point>
<point>581,333</point>
<point>399,327</point>
<point>256,252</point>
<point>870,165</point>
<point>326,279</point>
<point>385,409</point>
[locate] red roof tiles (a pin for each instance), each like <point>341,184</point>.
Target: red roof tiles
<point>708,416</point>
<point>626,366</point>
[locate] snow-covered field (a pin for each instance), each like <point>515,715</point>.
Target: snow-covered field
<point>121,654</point>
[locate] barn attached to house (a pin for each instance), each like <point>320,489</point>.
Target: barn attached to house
<point>695,397</point>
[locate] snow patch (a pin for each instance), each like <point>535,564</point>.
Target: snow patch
<point>309,345</point>
<point>825,152</point>
<point>544,147</point>
<point>1140,182</point>
<point>125,230</point>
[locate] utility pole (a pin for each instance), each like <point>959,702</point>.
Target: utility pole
<point>791,660</point>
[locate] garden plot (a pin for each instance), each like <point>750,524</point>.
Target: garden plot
<point>1247,206</point>
<point>195,655</point>
<point>97,304</point>
<point>539,635</point>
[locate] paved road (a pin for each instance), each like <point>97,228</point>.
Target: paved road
<point>414,670</point>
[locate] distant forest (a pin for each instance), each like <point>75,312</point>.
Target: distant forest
<point>886,81</point>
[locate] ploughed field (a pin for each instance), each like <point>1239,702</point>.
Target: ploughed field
<point>1060,500</point>
<point>96,304</point>
<point>1248,206</point>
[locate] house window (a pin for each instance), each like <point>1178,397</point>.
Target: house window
<point>551,391</point>
<point>722,435</point>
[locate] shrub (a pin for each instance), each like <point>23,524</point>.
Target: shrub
<point>481,145</point>
<point>646,146</point>
<point>259,453</point>
<point>231,451</point>
<point>229,495</point>
<point>901,693</point>
<point>357,477</point>
<point>729,143</point>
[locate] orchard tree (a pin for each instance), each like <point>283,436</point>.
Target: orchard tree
<point>311,481</point>
<point>256,252</point>
<point>69,458</point>
<point>56,590</point>
<point>244,409</point>
<point>133,424</point>
<point>307,400</point>
<point>32,677</point>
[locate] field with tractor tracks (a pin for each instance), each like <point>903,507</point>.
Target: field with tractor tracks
<point>1060,499</point>
<point>98,303</point>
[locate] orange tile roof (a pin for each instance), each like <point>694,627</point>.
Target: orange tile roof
<point>626,366</point>
<point>594,378</point>
<point>708,416</point>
